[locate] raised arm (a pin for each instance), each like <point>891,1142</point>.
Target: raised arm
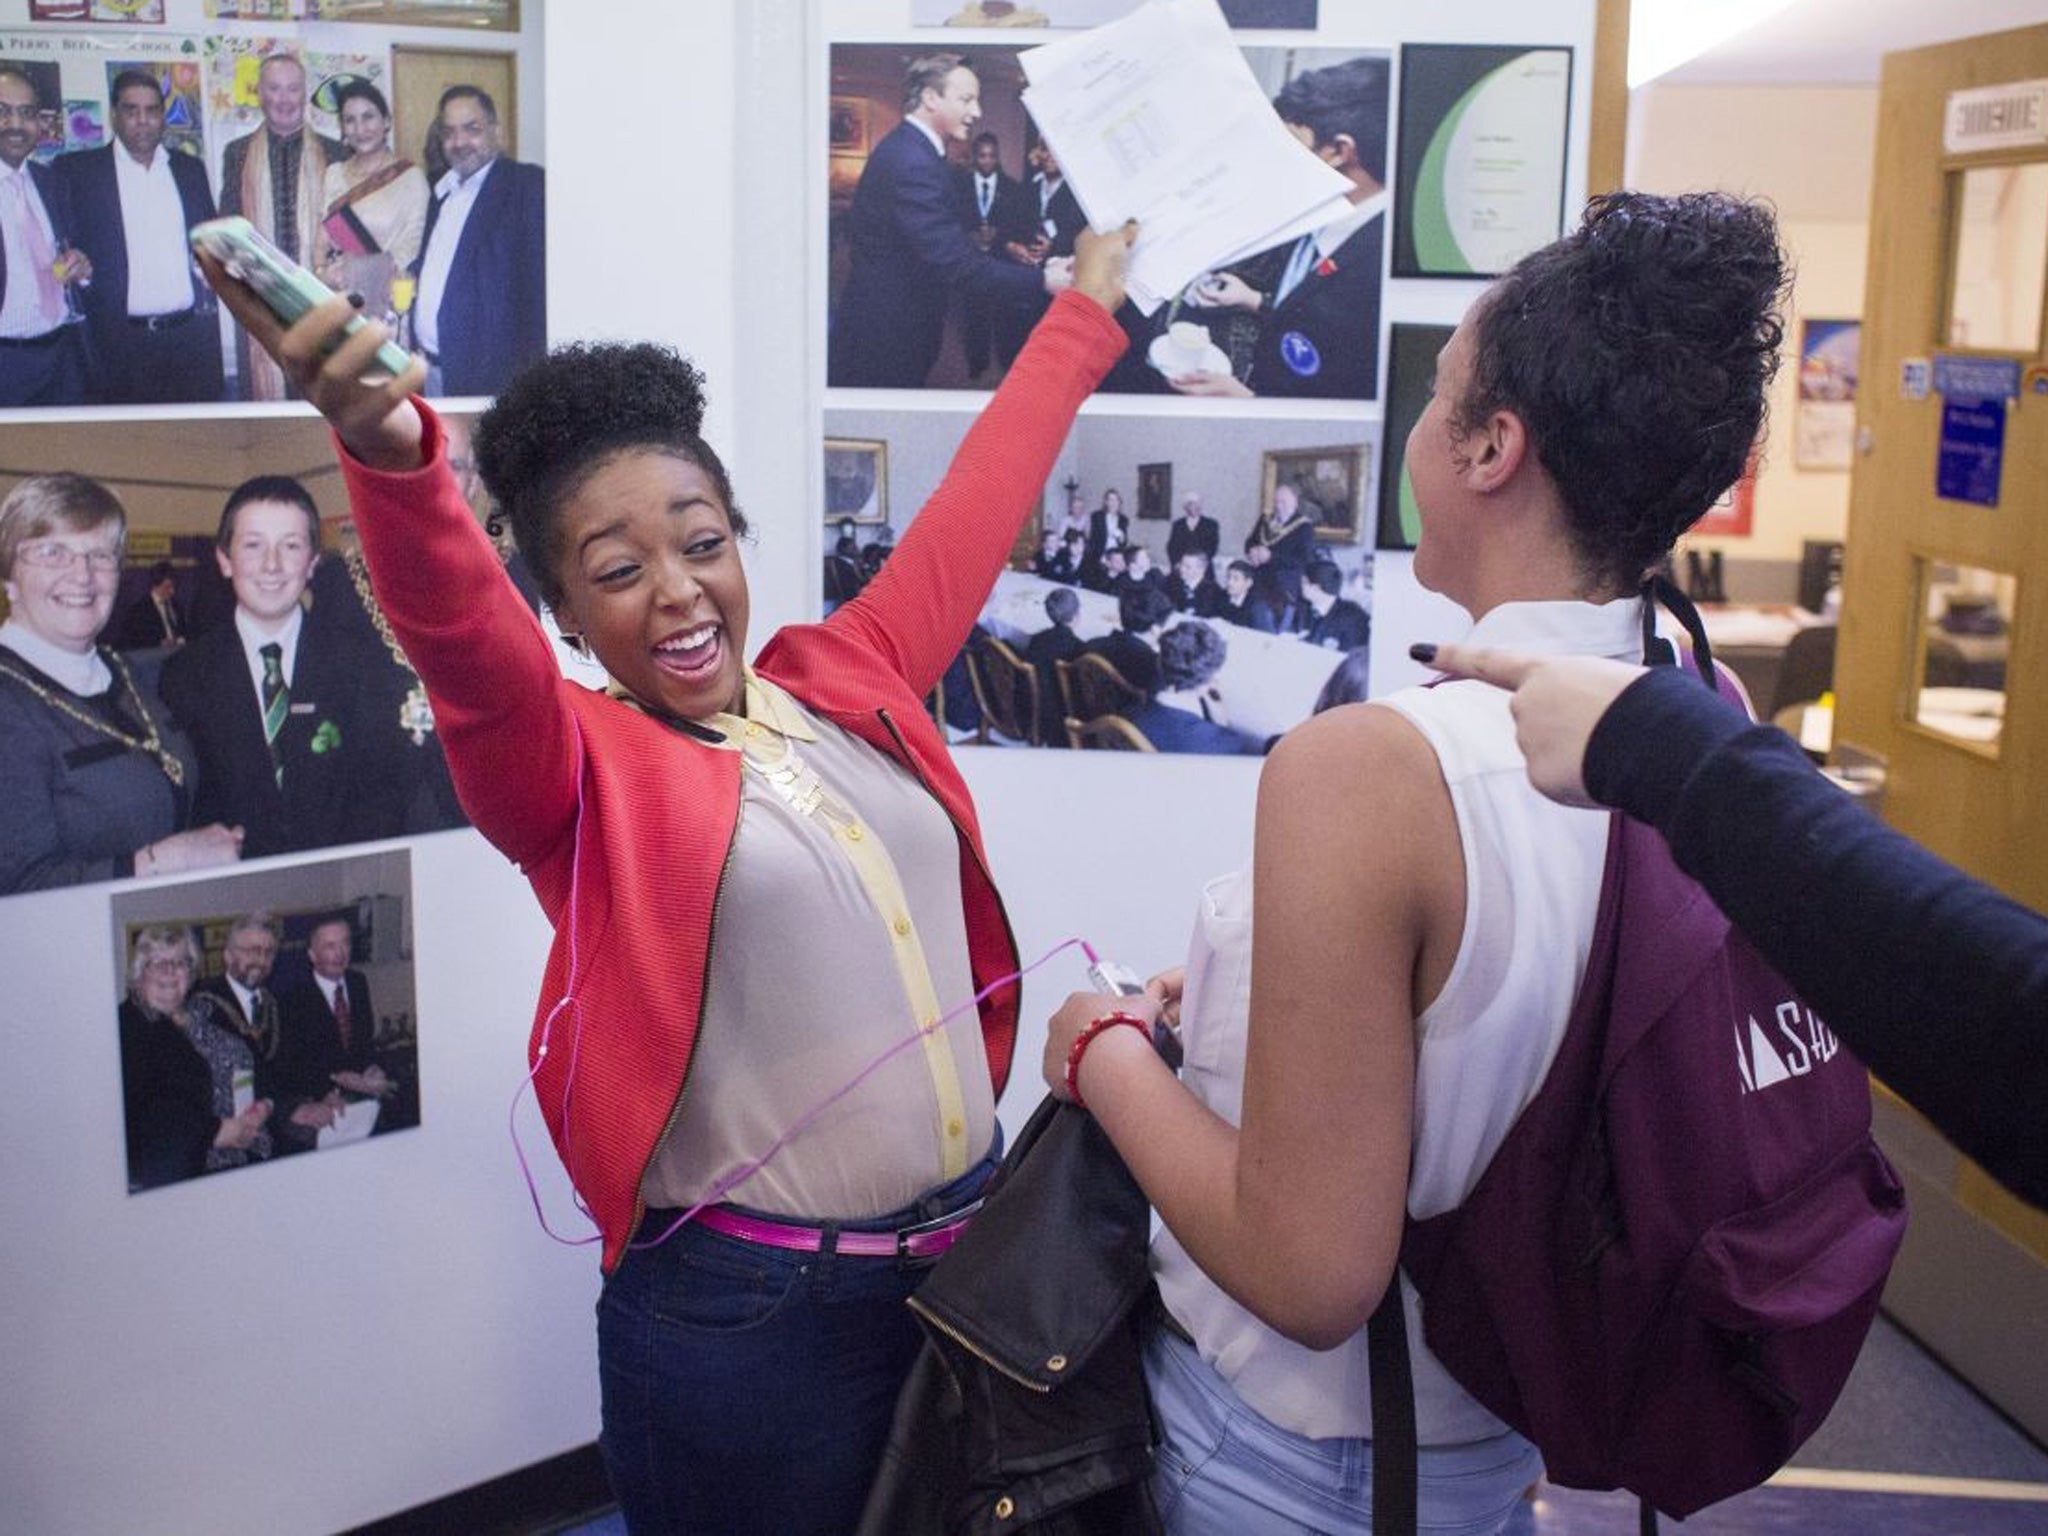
<point>919,610</point>
<point>488,669</point>
<point>1297,1213</point>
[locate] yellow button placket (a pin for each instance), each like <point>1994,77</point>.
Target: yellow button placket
<point>776,760</point>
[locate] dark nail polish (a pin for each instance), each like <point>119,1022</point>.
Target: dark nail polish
<point>356,299</point>
<point>1423,652</point>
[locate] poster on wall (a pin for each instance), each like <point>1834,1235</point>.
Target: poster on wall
<point>1824,422</point>
<point>1290,15</point>
<point>1484,134</point>
<point>1411,369</point>
<point>265,1016</point>
<point>137,735</point>
<point>331,152</point>
<point>937,260</point>
<point>1733,514</point>
<point>1212,632</point>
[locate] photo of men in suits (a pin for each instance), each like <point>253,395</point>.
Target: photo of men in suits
<point>43,358</point>
<point>152,318</point>
<point>481,311</point>
<point>245,1000</point>
<point>295,734</point>
<point>327,1041</point>
<point>997,212</point>
<point>909,250</point>
<point>1193,531</point>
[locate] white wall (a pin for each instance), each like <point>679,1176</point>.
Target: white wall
<point>1809,150</point>
<point>311,1345</point>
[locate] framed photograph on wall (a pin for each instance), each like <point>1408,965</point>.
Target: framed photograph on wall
<point>1411,365</point>
<point>856,481</point>
<point>1330,483</point>
<point>265,1016</point>
<point>1824,420</point>
<point>1480,177</point>
<point>847,121</point>
<point>354,113</point>
<point>1155,492</point>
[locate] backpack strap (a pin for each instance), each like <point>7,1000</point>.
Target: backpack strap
<point>1395,1454</point>
<point>1657,651</point>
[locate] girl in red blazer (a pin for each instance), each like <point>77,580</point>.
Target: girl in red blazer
<point>760,879</point>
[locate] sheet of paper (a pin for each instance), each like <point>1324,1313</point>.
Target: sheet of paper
<point>1157,118</point>
<point>357,1119</point>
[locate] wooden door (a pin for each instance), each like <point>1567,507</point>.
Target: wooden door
<point>1945,605</point>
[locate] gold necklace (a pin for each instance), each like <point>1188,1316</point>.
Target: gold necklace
<point>415,715</point>
<point>151,741</point>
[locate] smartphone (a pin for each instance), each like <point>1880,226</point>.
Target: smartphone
<point>287,288</point>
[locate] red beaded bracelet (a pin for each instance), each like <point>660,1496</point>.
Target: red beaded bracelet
<point>1081,1043</point>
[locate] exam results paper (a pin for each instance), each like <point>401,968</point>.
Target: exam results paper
<point>1157,118</point>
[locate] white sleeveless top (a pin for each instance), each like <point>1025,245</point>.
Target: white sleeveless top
<point>1532,881</point>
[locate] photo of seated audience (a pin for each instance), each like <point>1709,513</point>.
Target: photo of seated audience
<point>1260,554</point>
<point>193,670</point>
<point>265,1015</point>
<point>106,167</point>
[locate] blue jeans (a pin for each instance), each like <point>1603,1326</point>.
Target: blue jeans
<point>1225,1470</point>
<point>748,1388</point>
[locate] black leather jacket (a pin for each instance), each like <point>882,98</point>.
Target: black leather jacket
<point>1027,1408</point>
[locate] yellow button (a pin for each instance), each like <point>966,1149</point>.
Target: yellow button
<point>854,833</point>
<point>1005,1507</point>
<point>955,1128</point>
<point>752,729</point>
<point>903,927</point>
<point>1056,1363</point>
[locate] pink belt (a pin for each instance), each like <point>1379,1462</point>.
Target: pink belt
<point>927,1240</point>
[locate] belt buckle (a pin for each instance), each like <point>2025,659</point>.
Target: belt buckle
<point>905,1235</point>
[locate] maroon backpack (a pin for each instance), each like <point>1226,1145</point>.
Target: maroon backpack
<point>1666,1272</point>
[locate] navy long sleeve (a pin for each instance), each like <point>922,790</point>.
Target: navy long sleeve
<point>1938,982</point>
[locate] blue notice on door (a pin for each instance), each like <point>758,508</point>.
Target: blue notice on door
<point>1972,451</point>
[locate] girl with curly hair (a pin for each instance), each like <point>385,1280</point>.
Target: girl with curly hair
<point>762,878</point>
<point>1369,1008</point>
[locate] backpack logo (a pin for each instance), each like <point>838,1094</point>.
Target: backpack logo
<point>1802,1043</point>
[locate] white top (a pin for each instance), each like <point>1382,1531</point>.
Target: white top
<point>153,226</point>
<point>84,673</point>
<point>1483,1046</point>
<point>931,134</point>
<point>253,640</point>
<point>22,310</point>
<point>458,199</point>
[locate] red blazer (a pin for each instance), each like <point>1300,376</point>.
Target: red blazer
<point>624,825</point>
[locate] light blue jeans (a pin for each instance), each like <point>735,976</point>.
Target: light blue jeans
<point>1224,1470</point>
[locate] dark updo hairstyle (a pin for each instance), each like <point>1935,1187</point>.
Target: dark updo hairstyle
<point>571,412</point>
<point>1637,351</point>
<point>356,88</point>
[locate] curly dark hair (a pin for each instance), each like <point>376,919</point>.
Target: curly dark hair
<point>568,414</point>
<point>1637,350</point>
<point>1190,655</point>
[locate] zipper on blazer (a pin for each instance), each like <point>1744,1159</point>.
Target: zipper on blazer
<point>675,1110</point>
<point>967,1344</point>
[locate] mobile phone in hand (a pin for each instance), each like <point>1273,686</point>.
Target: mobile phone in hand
<point>285,287</point>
